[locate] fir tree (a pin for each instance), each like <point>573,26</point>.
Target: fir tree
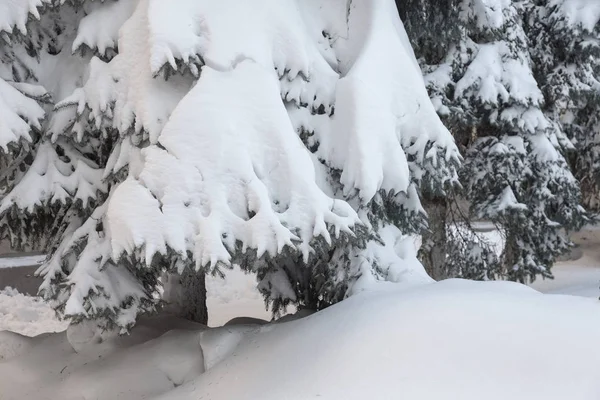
<point>515,173</point>
<point>565,42</point>
<point>50,178</point>
<point>276,142</point>
<point>451,247</point>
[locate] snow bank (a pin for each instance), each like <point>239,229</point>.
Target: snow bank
<point>452,340</point>
<point>26,315</point>
<point>14,262</point>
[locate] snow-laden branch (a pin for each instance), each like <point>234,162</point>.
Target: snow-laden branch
<point>17,13</point>
<point>19,112</point>
<point>228,167</point>
<point>99,29</point>
<point>54,178</point>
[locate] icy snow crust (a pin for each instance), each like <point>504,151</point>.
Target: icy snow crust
<point>491,340</point>
<point>209,98</point>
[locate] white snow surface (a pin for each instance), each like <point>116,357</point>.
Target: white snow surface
<point>488,14</point>
<point>17,261</point>
<point>16,13</point>
<point>52,180</point>
<point>26,315</point>
<point>580,274</point>
<point>452,340</point>
<point>580,13</point>
<point>382,110</point>
<point>99,30</point>
<point>190,189</point>
<point>18,114</point>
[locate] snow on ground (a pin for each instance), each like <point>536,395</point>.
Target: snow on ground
<point>14,262</point>
<point>27,315</point>
<point>227,299</point>
<point>237,295</point>
<point>232,297</point>
<point>453,340</point>
<point>576,274</point>
<point>449,340</point>
<point>581,278</point>
<point>580,275</point>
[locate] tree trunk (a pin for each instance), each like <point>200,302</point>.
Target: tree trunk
<point>510,258</point>
<point>433,250</point>
<point>186,295</point>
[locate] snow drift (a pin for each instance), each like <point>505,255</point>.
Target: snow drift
<point>452,340</point>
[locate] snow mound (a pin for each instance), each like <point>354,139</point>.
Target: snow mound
<point>15,262</point>
<point>26,315</point>
<point>453,340</point>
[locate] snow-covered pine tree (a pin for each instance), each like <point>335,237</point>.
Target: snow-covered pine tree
<point>451,247</point>
<point>565,41</point>
<point>515,173</point>
<point>49,179</point>
<point>289,137</point>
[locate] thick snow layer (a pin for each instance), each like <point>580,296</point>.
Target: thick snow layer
<point>496,75</point>
<point>50,180</point>
<point>452,340</point>
<point>396,261</point>
<point>18,114</point>
<point>188,187</point>
<point>579,13</point>
<point>17,13</point>
<point>99,30</point>
<point>382,110</point>
<point>26,315</point>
